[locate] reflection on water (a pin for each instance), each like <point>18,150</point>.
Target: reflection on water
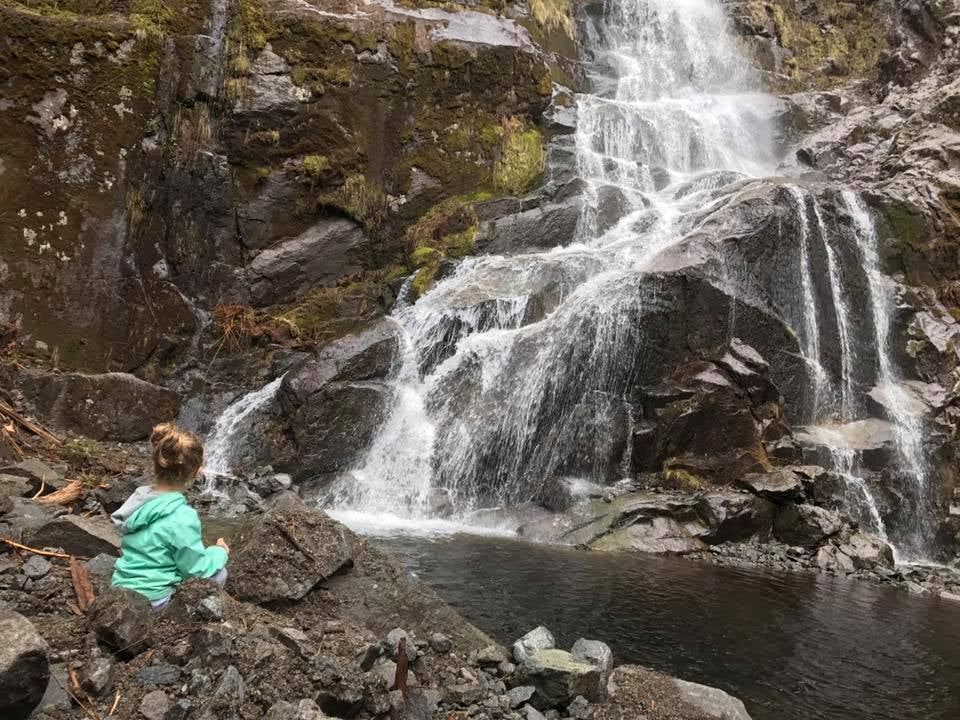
<point>791,646</point>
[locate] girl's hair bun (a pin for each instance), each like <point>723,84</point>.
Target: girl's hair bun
<point>177,454</point>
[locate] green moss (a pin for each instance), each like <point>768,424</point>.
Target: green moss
<point>362,200</point>
<point>81,451</point>
<point>521,160</point>
<point>840,39</point>
<point>423,281</point>
<point>424,255</point>
<point>315,165</point>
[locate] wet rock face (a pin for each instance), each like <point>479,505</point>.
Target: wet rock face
<point>156,199</point>
<point>334,403</point>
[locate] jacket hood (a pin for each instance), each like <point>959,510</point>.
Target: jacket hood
<point>145,506</point>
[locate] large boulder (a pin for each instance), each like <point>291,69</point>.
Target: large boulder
<point>733,516</point>
<point>121,620</point>
<point>636,692</point>
<point>558,678</point>
<point>321,254</point>
<point>24,669</point>
<point>778,485</point>
<point>111,406</point>
<point>808,526</point>
<point>286,552</point>
<point>333,403</point>
<point>82,536</point>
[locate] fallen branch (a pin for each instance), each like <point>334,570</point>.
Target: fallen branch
<point>400,677</point>
<point>288,534</point>
<point>29,425</point>
<point>66,495</point>
<point>116,702</point>
<point>35,551</point>
<point>82,586</point>
<point>43,486</point>
<point>92,715</point>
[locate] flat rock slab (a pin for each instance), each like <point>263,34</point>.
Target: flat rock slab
<point>636,692</point>
<point>85,537</point>
<point>558,678</point>
<point>285,553</point>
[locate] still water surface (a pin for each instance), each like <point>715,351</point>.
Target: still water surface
<point>791,646</point>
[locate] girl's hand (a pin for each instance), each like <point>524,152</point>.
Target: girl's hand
<point>223,543</point>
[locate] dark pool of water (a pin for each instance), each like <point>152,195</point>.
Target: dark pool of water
<point>791,646</point>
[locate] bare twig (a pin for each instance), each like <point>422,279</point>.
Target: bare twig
<point>39,430</point>
<point>35,551</point>
<point>288,534</point>
<point>92,715</point>
<point>116,702</point>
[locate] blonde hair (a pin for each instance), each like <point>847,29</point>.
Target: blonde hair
<point>177,454</point>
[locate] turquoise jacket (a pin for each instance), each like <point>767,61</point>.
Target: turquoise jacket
<point>161,544</point>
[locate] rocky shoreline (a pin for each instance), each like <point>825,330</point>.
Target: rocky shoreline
<point>314,622</point>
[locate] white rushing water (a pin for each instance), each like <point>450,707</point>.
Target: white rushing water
<point>222,444</point>
<point>518,369</point>
<point>543,340</point>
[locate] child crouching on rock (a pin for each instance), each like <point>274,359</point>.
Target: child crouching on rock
<point>160,532</point>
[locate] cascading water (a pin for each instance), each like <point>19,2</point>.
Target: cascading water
<point>220,448</point>
<point>545,345</point>
<point>515,370</point>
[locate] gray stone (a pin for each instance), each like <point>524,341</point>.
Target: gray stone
<point>55,697</point>
<point>806,525</point>
<point>155,705</point>
<point>489,656</point>
<point>868,552</point>
<point>36,472</point>
<point>210,608</point>
<point>180,711</point>
<point>77,535</point>
<point>440,643</point>
<point>13,486</point>
<point>520,694</point>
<point>558,678</point>
<point>392,644</point>
<point>711,701</point>
<point>266,567</point>
<point>231,688</point>
<point>295,640</point>
<point>96,676</point>
<point>540,638</point>
<point>304,710</point>
<point>101,564</point>
<point>579,709</point>
<point>779,485</point>
<point>121,619</point>
<point>110,406</point>
<point>36,567</point>
<point>24,670</point>
<point>6,504</point>
<point>158,675</point>
<point>531,713</point>
<point>595,652</point>
<point>320,255</point>
<point>28,516</point>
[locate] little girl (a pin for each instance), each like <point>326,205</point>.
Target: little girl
<point>161,545</point>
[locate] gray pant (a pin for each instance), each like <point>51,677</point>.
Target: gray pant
<point>220,578</point>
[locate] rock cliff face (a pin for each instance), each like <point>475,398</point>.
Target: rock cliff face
<point>163,158</point>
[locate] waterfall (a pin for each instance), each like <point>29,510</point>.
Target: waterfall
<point>221,446</point>
<point>518,370</point>
<point>512,364</point>
<point>915,540</point>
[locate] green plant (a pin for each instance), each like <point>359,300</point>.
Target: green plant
<point>81,451</point>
